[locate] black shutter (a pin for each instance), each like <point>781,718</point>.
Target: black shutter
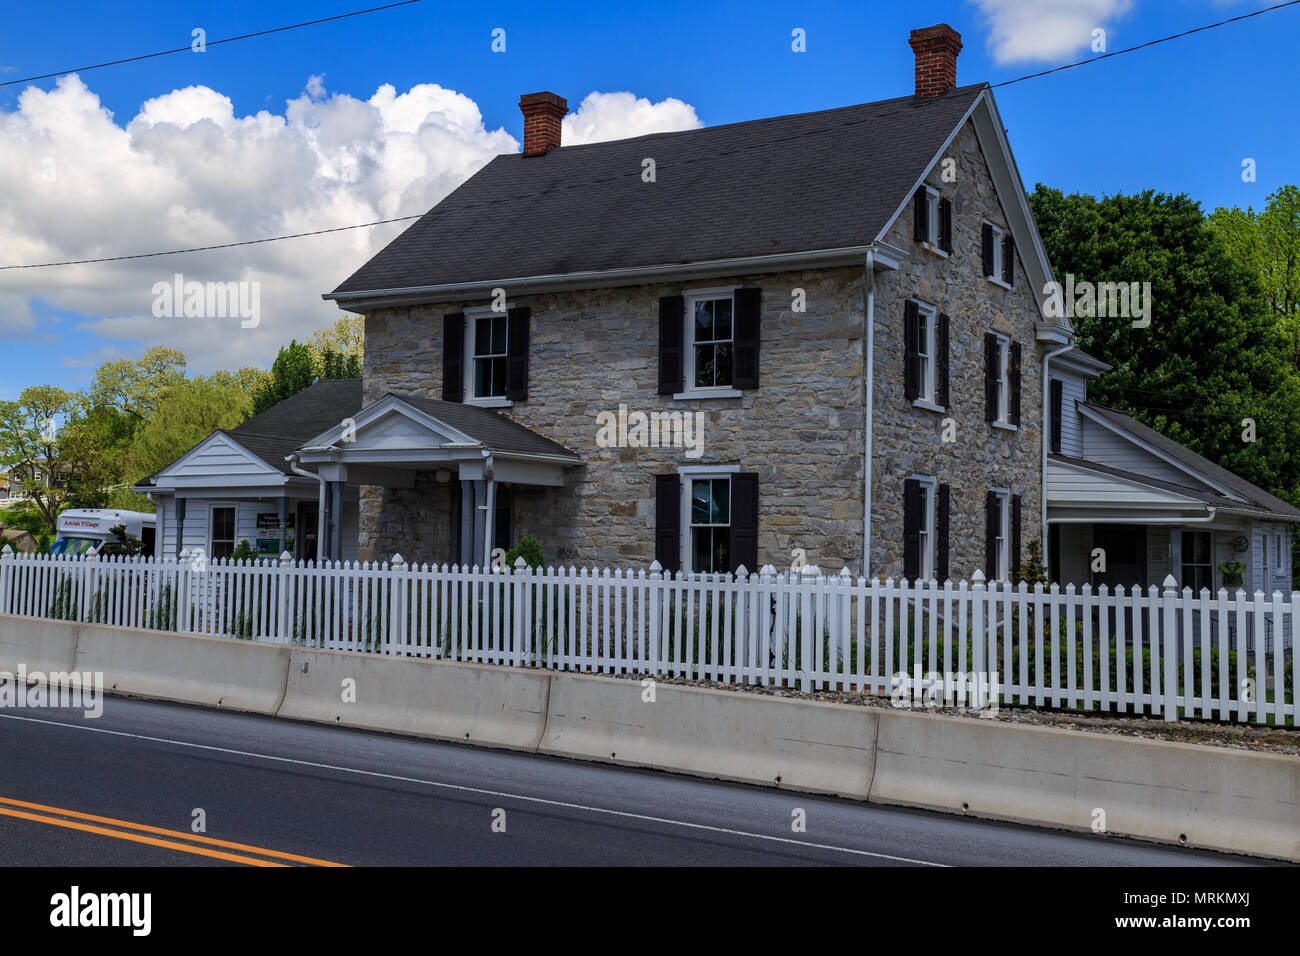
<point>671,317</point>
<point>744,521</point>
<point>517,322</point>
<point>987,247</point>
<point>1008,260</point>
<point>1015,538</point>
<point>1013,383</point>
<point>744,372</point>
<point>668,521</point>
<point>1058,400</point>
<point>911,529</point>
<point>942,512</point>
<point>453,357</point>
<point>911,348</point>
<point>945,224</point>
<point>991,373</point>
<point>992,520</point>
<point>920,221</point>
<point>941,360</point>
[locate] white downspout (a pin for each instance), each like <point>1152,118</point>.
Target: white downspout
<point>869,308</point>
<point>320,501</point>
<point>1047,443</point>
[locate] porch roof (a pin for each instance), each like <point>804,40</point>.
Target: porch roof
<point>1079,489</point>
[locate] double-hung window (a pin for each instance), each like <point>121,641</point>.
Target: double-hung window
<point>485,357</point>
<point>1000,529</point>
<point>221,542</point>
<point>710,523</point>
<point>1002,370</point>
<point>710,337</point>
<point>1198,562</point>
<point>926,529</point>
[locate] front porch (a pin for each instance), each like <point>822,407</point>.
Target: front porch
<point>447,472</point>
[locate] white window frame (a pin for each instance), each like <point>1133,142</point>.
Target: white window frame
<point>932,221</point>
<point>472,316</point>
<point>1003,540</point>
<point>212,527</point>
<point>927,347</point>
<point>1004,380</point>
<point>689,390</point>
<point>998,235</point>
<point>929,530</point>
<point>688,474</point>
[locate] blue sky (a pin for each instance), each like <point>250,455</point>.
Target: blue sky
<point>1179,117</point>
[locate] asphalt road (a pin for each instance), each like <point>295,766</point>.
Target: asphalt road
<point>124,789</point>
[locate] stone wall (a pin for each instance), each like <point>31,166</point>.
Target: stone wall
<point>801,430</point>
<point>908,440</point>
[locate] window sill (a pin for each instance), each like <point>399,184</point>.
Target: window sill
<point>494,402</point>
<point>702,394</point>
<point>999,282</point>
<point>931,247</point>
<point>929,406</point>
<point>1005,426</point>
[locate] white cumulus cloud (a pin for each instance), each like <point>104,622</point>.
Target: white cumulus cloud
<point>1046,30</point>
<point>606,116</point>
<point>186,170</point>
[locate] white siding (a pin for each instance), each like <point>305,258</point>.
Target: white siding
<point>1073,389</point>
<point>219,456</point>
<point>1065,483</point>
<point>1102,445</point>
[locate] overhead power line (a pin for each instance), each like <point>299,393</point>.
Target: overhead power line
<point>1140,46</point>
<point>222,245</point>
<point>207,43</point>
<point>363,225</point>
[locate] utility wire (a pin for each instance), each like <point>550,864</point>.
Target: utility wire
<point>208,43</point>
<point>223,245</point>
<point>1140,46</point>
<point>249,242</point>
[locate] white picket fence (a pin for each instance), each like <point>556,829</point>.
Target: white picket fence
<point>1129,651</point>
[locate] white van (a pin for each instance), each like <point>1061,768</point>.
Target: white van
<point>80,529</point>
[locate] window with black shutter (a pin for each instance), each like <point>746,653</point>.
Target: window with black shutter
<point>987,247</point>
<point>744,521</point>
<point>748,303</point>
<point>668,521</point>
<point>453,357</point>
<point>941,357</point>
<point>1008,260</point>
<point>942,520</point>
<point>920,215</point>
<point>992,375</point>
<point>1015,537</point>
<point>912,506</point>
<point>945,224</point>
<point>1013,383</point>
<point>911,361</point>
<point>992,532</point>
<point>1057,406</point>
<point>518,321</point>
<point>671,321</point>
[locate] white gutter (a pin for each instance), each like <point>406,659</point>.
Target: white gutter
<point>869,316</point>
<point>320,502</point>
<point>636,275</point>
<point>1047,444</point>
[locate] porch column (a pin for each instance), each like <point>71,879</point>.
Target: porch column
<point>336,520</point>
<point>284,519</point>
<point>488,520</point>
<point>180,525</point>
<point>1176,555</point>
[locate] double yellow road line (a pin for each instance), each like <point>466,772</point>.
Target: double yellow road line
<point>138,833</point>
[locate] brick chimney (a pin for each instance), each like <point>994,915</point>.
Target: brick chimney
<point>936,50</point>
<point>543,113</point>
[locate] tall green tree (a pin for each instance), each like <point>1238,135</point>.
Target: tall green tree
<point>1211,359</point>
<point>30,449</point>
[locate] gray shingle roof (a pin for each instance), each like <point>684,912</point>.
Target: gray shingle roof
<point>285,427</point>
<point>495,432</point>
<point>811,181</point>
<point>1257,497</point>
